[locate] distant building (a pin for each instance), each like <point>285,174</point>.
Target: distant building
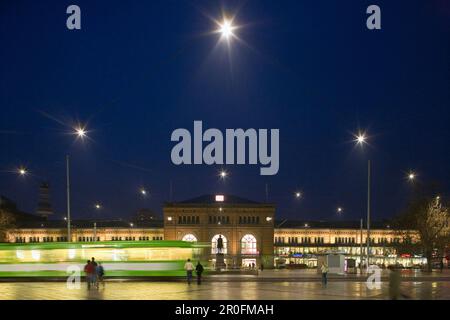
<point>245,226</point>
<point>248,230</point>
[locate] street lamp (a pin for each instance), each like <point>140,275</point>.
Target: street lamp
<point>223,174</point>
<point>360,140</point>
<point>97,207</point>
<point>411,176</point>
<point>80,133</point>
<point>226,29</point>
<point>22,171</point>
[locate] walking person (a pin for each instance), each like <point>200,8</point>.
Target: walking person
<point>89,271</point>
<point>189,267</point>
<point>100,272</point>
<point>94,272</point>
<point>199,271</point>
<point>324,270</point>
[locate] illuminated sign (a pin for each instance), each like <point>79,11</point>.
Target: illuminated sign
<point>220,198</point>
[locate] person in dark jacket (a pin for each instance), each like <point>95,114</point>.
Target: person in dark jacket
<point>199,271</point>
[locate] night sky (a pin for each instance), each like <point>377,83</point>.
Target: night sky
<point>137,70</point>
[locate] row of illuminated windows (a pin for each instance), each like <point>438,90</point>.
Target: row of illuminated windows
<point>88,239</point>
<point>344,240</point>
<point>337,240</point>
<point>249,220</point>
<point>300,240</point>
<point>38,239</point>
<point>134,238</point>
<point>188,220</point>
<point>219,219</point>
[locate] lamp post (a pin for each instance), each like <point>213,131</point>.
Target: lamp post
<point>361,139</point>
<point>80,132</point>
<point>69,235</point>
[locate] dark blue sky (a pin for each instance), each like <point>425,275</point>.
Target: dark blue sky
<point>137,70</point>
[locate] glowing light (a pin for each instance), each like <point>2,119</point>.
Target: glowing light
<point>339,209</point>
<point>226,29</point>
<point>169,218</point>
<point>131,225</point>
<point>143,192</point>
<point>35,254</point>
<point>220,198</point>
<point>20,254</point>
<point>298,194</point>
<point>71,253</point>
<point>411,176</point>
<point>98,206</point>
<point>223,174</point>
<point>22,171</point>
<point>80,132</point>
<point>361,138</point>
<point>268,219</point>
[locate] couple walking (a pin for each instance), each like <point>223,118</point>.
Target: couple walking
<point>94,273</point>
<point>189,267</point>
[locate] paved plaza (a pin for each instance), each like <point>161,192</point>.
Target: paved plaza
<point>281,290</point>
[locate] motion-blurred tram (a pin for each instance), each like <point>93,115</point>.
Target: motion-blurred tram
<point>119,259</point>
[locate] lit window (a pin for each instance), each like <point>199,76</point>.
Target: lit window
<point>248,244</point>
<point>189,237</point>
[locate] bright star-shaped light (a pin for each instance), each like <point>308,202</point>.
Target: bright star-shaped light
<point>361,138</point>
<point>298,194</point>
<point>339,209</point>
<point>143,192</point>
<point>411,176</point>
<point>98,206</point>
<point>223,174</point>
<point>22,171</point>
<point>226,29</point>
<point>80,132</point>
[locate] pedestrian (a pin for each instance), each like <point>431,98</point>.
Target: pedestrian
<point>262,266</point>
<point>394,284</point>
<point>189,267</point>
<point>100,272</point>
<point>199,271</point>
<point>324,270</point>
<point>441,265</point>
<point>94,273</point>
<point>89,271</point>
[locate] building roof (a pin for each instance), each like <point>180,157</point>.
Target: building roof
<point>330,224</point>
<point>88,224</point>
<point>210,199</point>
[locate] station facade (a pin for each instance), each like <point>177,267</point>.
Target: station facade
<point>248,229</point>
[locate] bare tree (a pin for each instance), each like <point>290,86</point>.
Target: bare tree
<point>424,226</point>
<point>7,222</point>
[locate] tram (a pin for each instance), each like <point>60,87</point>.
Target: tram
<point>119,258</point>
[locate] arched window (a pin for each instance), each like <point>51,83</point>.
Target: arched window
<point>189,237</point>
<point>248,244</point>
<point>214,244</point>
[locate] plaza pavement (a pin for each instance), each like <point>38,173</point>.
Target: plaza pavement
<point>281,290</point>
<point>269,284</point>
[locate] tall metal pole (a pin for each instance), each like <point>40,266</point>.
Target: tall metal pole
<point>361,245</point>
<point>69,235</point>
<point>368,213</point>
